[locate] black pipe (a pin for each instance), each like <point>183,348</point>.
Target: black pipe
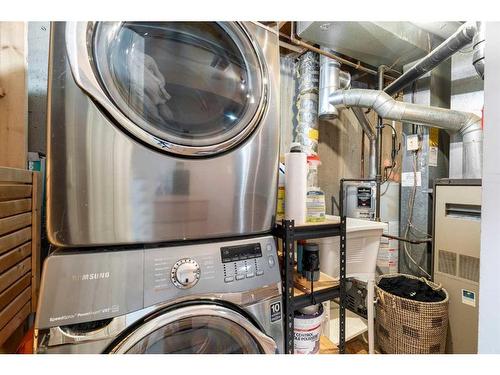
<point>415,242</point>
<point>378,157</point>
<point>463,36</point>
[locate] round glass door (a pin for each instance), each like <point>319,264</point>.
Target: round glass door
<point>197,330</point>
<point>192,86</point>
<point>197,335</point>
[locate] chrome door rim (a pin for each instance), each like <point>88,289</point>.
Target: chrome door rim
<point>79,46</point>
<point>267,344</point>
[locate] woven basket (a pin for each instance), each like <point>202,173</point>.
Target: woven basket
<point>410,327</point>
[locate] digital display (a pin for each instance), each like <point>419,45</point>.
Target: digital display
<point>240,252</point>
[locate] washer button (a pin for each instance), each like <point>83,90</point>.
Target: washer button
<point>269,247</point>
<point>259,273</point>
<point>228,279</point>
<point>240,277</point>
<point>250,275</point>
<point>270,260</point>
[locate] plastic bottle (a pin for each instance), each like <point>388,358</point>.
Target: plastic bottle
<point>315,199</point>
<point>280,204</point>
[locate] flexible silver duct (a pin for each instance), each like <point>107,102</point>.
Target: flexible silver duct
<point>368,129</point>
<point>307,103</point>
<point>479,46</point>
<point>463,36</point>
<point>467,125</point>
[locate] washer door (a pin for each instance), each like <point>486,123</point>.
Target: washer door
<point>191,88</point>
<point>198,329</point>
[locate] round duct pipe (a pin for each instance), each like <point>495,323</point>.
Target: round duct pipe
<point>331,78</point>
<point>329,81</point>
<point>467,125</point>
<point>479,46</point>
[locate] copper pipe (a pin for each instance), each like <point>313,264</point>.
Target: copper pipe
<point>294,39</point>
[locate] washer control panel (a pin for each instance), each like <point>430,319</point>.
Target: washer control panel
<point>245,261</point>
<point>185,273</point>
<point>208,268</point>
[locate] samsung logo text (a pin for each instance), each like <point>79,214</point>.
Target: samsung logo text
<point>91,276</point>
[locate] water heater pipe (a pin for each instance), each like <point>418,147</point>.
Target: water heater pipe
<point>370,134</point>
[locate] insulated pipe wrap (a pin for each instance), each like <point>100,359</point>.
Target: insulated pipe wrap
<point>463,36</point>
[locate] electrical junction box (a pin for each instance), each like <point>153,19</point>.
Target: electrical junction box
<point>412,142</point>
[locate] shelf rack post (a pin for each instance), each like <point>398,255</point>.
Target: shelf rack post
<point>288,252</point>
<point>342,280</point>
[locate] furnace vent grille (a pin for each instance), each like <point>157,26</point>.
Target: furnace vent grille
<point>469,268</point>
<point>447,262</point>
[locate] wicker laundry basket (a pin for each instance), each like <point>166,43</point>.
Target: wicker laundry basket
<point>410,327</point>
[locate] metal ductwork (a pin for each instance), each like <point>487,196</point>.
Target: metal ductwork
<point>331,79</point>
<point>479,45</point>
<point>368,129</point>
<point>463,36</point>
<point>467,125</point>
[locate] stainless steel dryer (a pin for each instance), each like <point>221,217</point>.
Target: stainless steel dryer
<point>203,298</point>
<point>161,131</point>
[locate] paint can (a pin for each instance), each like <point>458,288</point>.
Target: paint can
<point>307,329</point>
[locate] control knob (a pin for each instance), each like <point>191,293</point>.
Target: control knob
<point>185,273</point>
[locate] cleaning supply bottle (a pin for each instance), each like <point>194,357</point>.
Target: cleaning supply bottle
<point>315,199</point>
<point>280,204</point>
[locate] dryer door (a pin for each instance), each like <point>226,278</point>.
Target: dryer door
<point>198,329</point>
<point>190,88</point>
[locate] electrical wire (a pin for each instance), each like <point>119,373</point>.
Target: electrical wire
<point>393,170</point>
<point>413,227</point>
<point>411,201</point>
<point>394,155</point>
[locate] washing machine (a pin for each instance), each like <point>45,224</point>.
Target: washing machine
<point>218,297</point>
<point>161,131</point>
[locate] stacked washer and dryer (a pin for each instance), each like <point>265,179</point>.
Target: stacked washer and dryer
<point>161,187</point>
